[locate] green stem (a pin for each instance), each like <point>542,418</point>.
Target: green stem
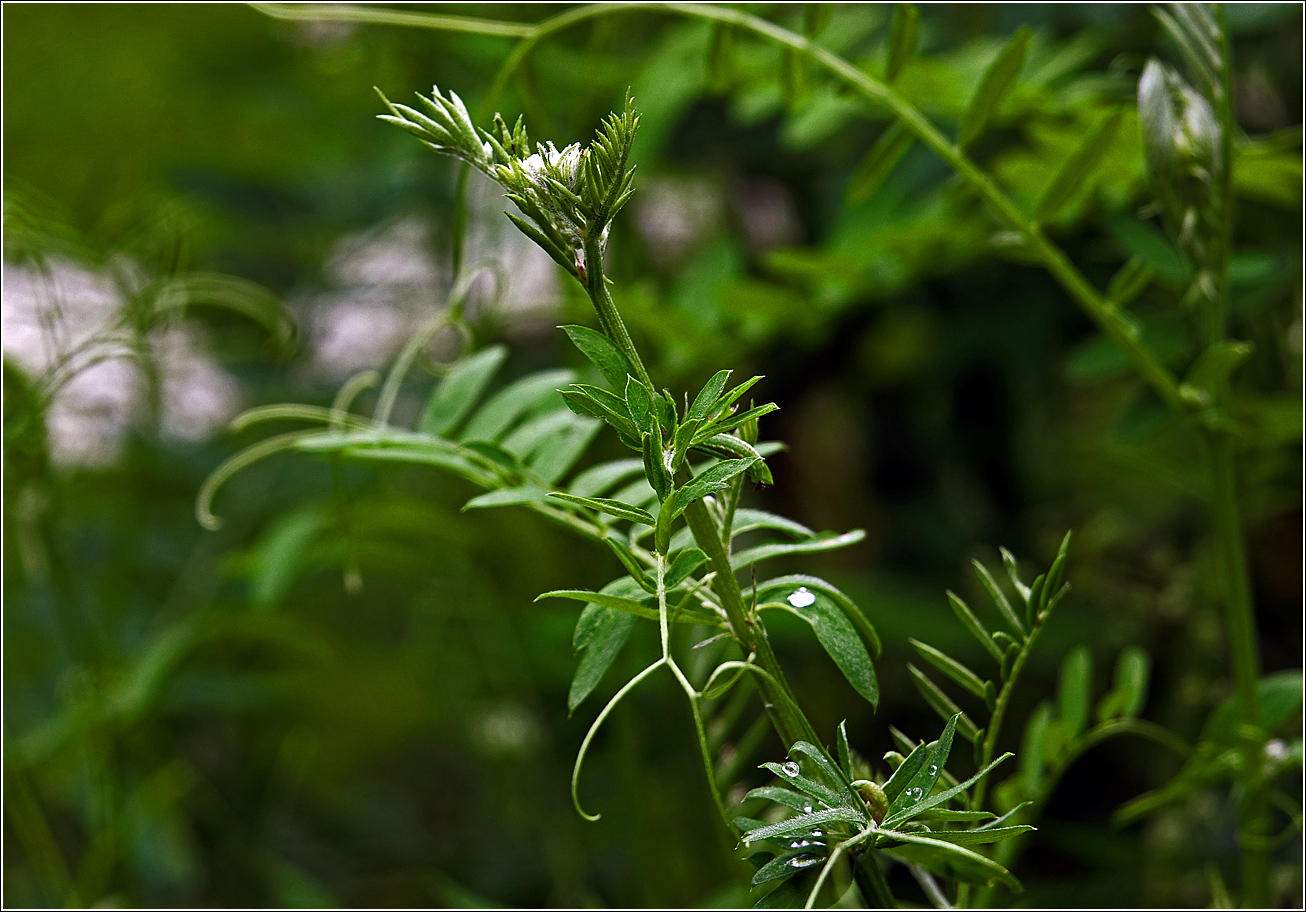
<point>596,285</point>
<point>790,722</point>
<point>870,880</point>
<point>1240,626</point>
<point>990,745</point>
<point>1239,612</point>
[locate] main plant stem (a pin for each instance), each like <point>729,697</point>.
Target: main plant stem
<point>790,722</point>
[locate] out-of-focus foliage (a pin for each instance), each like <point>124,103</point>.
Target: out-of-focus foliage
<point>346,695</point>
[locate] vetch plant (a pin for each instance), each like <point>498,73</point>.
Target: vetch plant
<point>673,527</point>
<point>672,531</point>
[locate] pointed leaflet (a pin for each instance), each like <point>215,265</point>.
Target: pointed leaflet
<point>906,771</point>
<point>709,481</point>
<point>708,395</point>
<point>615,602</point>
<point>845,756</point>
<point>747,520</point>
<point>600,633</point>
<point>998,80</point>
<point>633,567</point>
<point>639,402</point>
<point>948,859</point>
<point>592,400</point>
<point>824,542</point>
<point>459,390</point>
<point>682,565</point>
<point>950,667</point>
<point>977,837</point>
<point>832,772</point>
<point>803,824</point>
<point>934,801</point>
<point>1013,573</point>
<point>922,783</point>
<point>605,355</point>
<point>902,39</point>
<point>967,617</point>
<point>506,407</point>
<point>730,396</point>
<point>1078,168</point>
<point>820,588</point>
<point>788,864</point>
<point>604,505</point>
<point>731,422</point>
<point>938,813</point>
<point>789,772</point>
<point>942,704</point>
<point>783,796</point>
<point>999,598</point>
<point>840,639</point>
<point>879,161</point>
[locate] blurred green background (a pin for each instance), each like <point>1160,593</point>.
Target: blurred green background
<point>346,696</point>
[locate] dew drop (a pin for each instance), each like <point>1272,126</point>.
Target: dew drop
<point>934,770</point>
<point>801,597</point>
<point>818,833</point>
<point>803,861</point>
<point>915,794</point>
<point>790,769</point>
<point>807,809</point>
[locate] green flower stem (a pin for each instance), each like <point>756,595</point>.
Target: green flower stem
<point>596,285</point>
<point>1240,627</point>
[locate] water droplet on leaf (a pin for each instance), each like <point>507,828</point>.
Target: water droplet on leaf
<point>801,597</point>
<point>790,769</point>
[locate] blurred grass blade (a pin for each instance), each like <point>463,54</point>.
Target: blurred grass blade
<point>496,418</point>
<point>1078,168</point>
<point>1031,749</point>
<point>903,36</point>
<point>1129,281</point>
<point>604,476</point>
<point>458,391</point>
<point>993,88</point>
<point>878,163</point>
